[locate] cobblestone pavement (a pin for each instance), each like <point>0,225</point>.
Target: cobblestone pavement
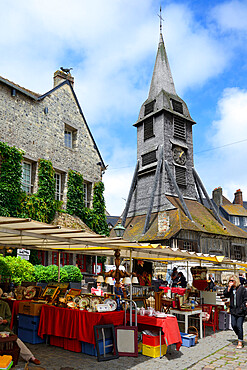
<point>215,351</point>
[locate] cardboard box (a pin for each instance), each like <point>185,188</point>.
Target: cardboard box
<point>30,308</point>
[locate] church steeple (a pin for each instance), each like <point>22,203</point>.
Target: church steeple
<point>162,76</point>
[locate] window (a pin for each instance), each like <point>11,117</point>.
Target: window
<point>149,158</point>
<point>177,106</point>
<point>87,193</point>
<point>235,220</point>
<point>245,221</point>
<point>188,246</point>
<point>148,128</point>
<point>58,186</point>
<point>26,177</point>
<point>180,173</point>
<point>179,128</point>
<point>237,250</point>
<point>149,108</point>
<point>68,138</point>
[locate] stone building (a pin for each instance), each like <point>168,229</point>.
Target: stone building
<point>166,199</point>
<point>50,126</point>
<point>231,211</point>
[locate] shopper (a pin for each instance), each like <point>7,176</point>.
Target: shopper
<point>181,280</point>
<point>174,277</point>
<point>5,318</point>
<point>238,306</point>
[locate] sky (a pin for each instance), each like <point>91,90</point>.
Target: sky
<point>111,46</point>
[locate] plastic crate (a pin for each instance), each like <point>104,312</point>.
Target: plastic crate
<point>188,340</point>
<point>28,322</point>
<point>152,341</point>
<point>153,351</point>
<point>90,349</point>
<point>29,336</point>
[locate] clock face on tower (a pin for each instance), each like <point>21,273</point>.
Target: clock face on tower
<point>179,155</point>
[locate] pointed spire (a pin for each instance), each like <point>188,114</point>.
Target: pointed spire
<point>162,76</point>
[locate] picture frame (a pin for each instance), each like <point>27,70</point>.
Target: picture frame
<point>50,292</point>
<point>140,302</point>
<point>74,292</point>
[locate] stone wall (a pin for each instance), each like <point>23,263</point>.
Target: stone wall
<point>37,127</point>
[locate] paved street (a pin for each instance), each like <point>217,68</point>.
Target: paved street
<point>217,351</point>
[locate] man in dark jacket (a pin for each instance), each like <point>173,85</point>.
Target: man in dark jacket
<point>238,306</point>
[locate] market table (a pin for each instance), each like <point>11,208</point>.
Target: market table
<point>169,326</point>
<point>186,314</point>
<point>68,327</point>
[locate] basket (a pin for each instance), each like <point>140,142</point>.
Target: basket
<point>8,346</point>
<point>193,330</point>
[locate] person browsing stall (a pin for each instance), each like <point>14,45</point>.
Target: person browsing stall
<point>238,306</point>
<point>5,318</point>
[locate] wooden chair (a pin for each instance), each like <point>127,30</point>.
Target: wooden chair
<point>211,317</point>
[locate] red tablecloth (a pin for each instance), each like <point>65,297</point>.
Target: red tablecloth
<point>75,324</point>
<point>169,326</point>
<point>180,291</point>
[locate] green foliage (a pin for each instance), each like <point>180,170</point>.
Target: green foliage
<point>34,207</point>
<point>4,269</point>
<point>21,270</point>
<point>10,180</point>
<point>75,194</point>
<point>74,273</point>
<point>50,273</point>
<point>100,224</point>
<point>46,189</point>
<point>94,218</point>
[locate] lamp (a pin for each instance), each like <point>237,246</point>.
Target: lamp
<point>9,250</point>
<point>100,279</point>
<point>109,280</point>
<point>119,230</point>
<point>135,280</point>
<point>127,280</point>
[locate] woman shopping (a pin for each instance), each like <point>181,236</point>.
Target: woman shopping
<point>238,306</point>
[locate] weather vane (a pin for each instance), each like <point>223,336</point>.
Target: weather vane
<point>161,19</point>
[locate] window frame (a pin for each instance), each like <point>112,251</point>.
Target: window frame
<point>236,220</point>
<point>58,190</point>
<point>68,133</point>
<point>27,186</point>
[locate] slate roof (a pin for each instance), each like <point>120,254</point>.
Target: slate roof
<point>204,222</point>
<point>235,210</point>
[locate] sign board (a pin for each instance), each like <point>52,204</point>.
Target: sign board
<point>23,253</point>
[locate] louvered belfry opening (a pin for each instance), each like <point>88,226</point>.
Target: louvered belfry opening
<point>149,158</point>
<point>148,128</point>
<point>180,173</point>
<point>149,108</point>
<point>177,106</point>
<point>179,128</point>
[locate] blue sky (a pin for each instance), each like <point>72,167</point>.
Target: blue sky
<point>111,45</point>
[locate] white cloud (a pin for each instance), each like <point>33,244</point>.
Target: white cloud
<point>226,166</point>
<point>231,15</point>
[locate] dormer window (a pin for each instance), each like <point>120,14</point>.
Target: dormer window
<point>149,108</point>
<point>179,128</point>
<point>148,128</point>
<point>177,106</point>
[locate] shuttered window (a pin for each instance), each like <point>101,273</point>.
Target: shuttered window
<point>179,128</point>
<point>180,176</point>
<point>177,106</point>
<point>148,128</point>
<point>149,158</point>
<point>149,108</point>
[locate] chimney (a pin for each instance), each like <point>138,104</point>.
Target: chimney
<point>238,197</point>
<point>60,77</point>
<point>217,196</point>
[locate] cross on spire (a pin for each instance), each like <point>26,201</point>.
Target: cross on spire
<point>161,19</point>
